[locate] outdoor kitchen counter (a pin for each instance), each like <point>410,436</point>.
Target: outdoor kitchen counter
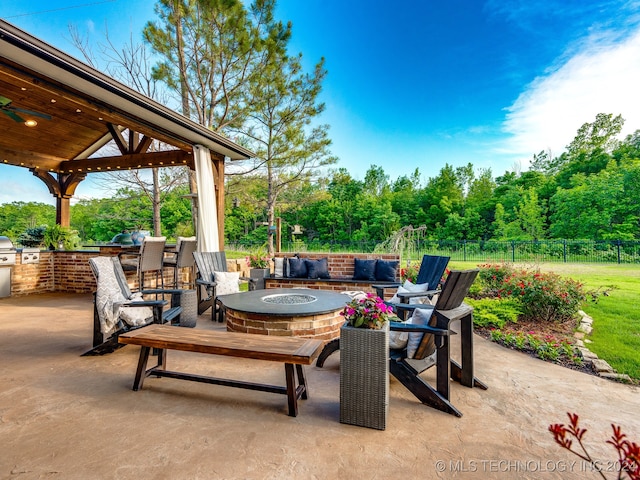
<point>110,249</point>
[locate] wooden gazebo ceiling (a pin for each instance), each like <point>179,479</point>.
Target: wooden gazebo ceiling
<point>87,109</point>
<point>77,126</point>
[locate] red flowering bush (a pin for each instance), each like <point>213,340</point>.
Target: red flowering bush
<point>543,296</point>
<point>628,461</point>
<point>492,277</point>
<point>410,272</point>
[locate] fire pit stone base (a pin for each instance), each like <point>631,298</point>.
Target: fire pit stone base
<point>324,326</point>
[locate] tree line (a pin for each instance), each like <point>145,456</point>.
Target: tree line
<point>590,191</point>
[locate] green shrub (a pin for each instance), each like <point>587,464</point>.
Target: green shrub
<point>541,296</point>
<point>494,312</point>
<point>32,237</point>
<point>545,347</point>
<point>59,237</point>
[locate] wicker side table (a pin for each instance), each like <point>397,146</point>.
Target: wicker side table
<point>364,376</point>
<point>188,300</point>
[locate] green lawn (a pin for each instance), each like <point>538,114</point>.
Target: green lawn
<point>616,318</point>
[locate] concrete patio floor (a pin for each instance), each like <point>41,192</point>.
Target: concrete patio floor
<point>71,417</point>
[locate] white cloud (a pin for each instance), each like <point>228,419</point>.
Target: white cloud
<point>601,77</point>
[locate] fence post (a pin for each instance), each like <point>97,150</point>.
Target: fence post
<point>464,250</point>
<point>513,251</point>
<point>564,250</point>
<point>619,259</point>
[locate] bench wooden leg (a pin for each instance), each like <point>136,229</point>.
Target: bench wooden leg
<point>292,394</point>
<point>162,359</point>
<point>302,382</point>
<point>142,368</point>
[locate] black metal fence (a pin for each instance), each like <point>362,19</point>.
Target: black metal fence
<point>566,251</point>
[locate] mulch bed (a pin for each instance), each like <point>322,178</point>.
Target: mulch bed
<point>559,330</point>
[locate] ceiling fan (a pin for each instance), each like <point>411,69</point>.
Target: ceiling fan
<point>10,111</point>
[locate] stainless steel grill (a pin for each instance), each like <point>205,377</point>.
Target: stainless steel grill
<point>7,251</point>
<point>7,259</point>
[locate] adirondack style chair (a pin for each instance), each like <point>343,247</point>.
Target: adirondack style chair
<point>208,263</point>
<point>429,330</point>
<point>117,309</point>
<point>431,271</point>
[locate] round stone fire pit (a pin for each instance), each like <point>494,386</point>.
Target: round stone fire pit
<point>298,312</point>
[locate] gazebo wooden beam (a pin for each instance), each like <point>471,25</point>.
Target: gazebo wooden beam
<point>62,188</point>
<point>29,159</point>
<point>169,158</point>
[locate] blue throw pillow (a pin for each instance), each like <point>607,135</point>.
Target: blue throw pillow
<point>364,269</point>
<point>386,270</point>
<point>297,268</point>
<point>318,268</point>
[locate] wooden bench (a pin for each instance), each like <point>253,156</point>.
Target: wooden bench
<point>288,350</point>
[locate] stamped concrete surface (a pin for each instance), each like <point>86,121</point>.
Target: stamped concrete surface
<point>63,416</point>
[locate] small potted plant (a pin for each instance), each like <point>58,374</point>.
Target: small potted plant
<point>364,364</point>
<point>258,263</point>
<point>60,238</point>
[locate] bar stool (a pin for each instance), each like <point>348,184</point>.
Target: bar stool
<point>148,259</point>
<point>182,258</point>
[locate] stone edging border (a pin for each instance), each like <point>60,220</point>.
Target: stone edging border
<point>600,367</point>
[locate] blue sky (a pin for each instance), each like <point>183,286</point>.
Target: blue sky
<point>420,83</point>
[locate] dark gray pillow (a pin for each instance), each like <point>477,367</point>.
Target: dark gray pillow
<point>297,268</point>
<point>364,269</point>
<point>386,270</point>
<point>318,268</point>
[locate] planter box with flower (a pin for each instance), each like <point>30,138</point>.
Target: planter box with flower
<point>364,365</point>
<point>259,268</point>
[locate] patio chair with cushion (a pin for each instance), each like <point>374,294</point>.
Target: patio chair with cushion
<point>214,278</point>
<point>117,309</point>
<point>427,343</point>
